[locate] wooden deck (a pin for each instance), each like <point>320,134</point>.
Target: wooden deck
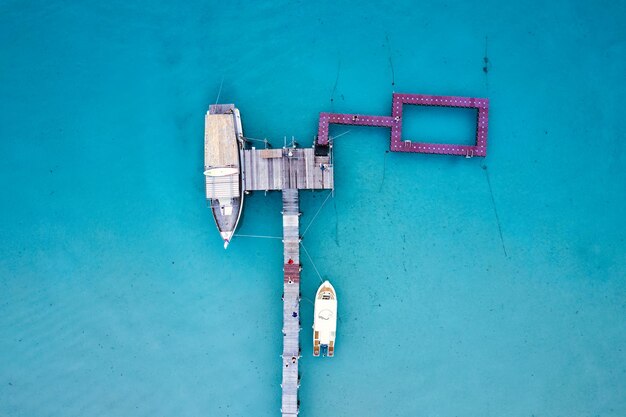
<point>220,141</point>
<point>221,150</point>
<point>286,168</point>
<point>291,303</point>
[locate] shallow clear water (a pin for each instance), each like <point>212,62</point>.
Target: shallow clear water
<point>117,299</point>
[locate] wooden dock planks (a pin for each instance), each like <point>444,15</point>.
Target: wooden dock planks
<point>291,303</point>
<point>286,168</point>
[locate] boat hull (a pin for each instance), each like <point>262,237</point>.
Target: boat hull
<point>223,142</point>
<point>325,321</point>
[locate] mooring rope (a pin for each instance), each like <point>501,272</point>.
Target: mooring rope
<point>219,92</point>
<point>312,263</point>
<point>306,299</point>
<point>340,135</point>
<point>255,139</point>
<point>318,212</point>
<point>259,236</point>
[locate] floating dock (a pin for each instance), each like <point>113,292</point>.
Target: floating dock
<point>397,144</point>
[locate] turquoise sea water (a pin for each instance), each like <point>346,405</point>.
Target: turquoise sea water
<point>467,287</point>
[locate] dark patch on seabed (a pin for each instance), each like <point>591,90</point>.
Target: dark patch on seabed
<point>332,94</point>
<point>382,181</point>
<point>336,223</point>
<point>393,73</point>
<point>486,63</point>
<point>495,209</point>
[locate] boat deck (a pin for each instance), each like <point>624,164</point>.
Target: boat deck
<point>221,150</point>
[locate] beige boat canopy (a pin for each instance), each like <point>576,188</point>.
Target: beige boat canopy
<point>221,157</point>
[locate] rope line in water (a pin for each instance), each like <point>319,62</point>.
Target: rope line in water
<point>318,212</point>
<point>255,139</point>
<point>312,263</point>
<point>259,236</point>
<point>306,299</point>
<point>340,135</point>
<point>219,92</point>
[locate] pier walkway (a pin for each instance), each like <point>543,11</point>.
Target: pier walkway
<point>289,169</point>
<point>291,303</point>
<point>397,144</point>
<point>286,168</point>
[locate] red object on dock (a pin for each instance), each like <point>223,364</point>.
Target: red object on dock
<point>291,273</point>
<point>395,123</point>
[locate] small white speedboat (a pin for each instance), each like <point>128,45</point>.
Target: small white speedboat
<point>325,320</point>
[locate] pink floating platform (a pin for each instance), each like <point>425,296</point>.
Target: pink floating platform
<point>395,123</point>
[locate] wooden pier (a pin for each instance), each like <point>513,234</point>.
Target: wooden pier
<point>291,303</point>
<point>289,169</point>
<point>286,168</point>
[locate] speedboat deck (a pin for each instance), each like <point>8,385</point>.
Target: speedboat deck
<point>325,321</point>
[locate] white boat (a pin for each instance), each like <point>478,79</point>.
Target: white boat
<point>223,146</point>
<point>325,320</point>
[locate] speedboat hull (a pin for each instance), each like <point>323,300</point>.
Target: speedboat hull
<point>325,321</point>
